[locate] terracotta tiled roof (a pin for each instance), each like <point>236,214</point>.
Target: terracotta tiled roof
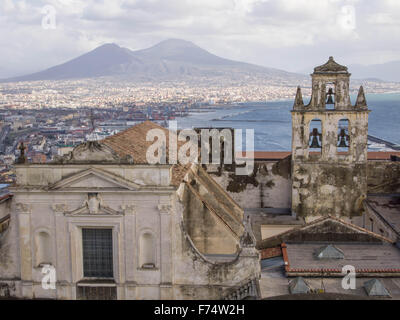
<point>267,155</point>
<point>382,155</point>
<point>5,197</point>
<point>278,155</point>
<point>133,142</point>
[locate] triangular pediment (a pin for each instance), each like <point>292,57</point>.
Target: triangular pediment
<point>92,181</point>
<point>101,211</point>
<point>94,178</point>
<point>328,229</point>
<point>93,205</point>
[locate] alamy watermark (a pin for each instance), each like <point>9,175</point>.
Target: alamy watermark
<point>49,279</point>
<point>49,20</point>
<point>349,280</point>
<point>222,149</point>
<point>347,18</point>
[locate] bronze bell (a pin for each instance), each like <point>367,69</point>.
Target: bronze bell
<point>315,143</point>
<point>342,137</point>
<point>330,98</point>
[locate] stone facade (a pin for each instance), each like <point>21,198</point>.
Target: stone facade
<point>156,252</point>
<point>326,181</point>
<point>269,186</point>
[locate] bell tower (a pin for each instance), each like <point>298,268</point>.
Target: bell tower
<point>329,146</point>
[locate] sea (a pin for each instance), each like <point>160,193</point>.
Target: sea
<point>272,122</point>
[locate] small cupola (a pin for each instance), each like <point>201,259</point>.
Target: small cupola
<point>376,288</point>
<point>298,285</point>
<point>329,252</point>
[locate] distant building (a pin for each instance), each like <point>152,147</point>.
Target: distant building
<point>38,157</point>
<point>63,150</point>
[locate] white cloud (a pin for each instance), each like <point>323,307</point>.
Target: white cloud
<point>290,34</point>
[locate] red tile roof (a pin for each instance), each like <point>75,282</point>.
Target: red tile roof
<point>133,142</point>
<point>278,155</point>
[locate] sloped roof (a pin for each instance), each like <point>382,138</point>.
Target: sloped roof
<point>386,207</point>
<point>298,285</point>
<point>330,67</point>
<point>327,229</point>
<point>132,141</point>
<point>4,223</point>
<point>216,199</point>
<point>375,287</point>
<point>366,258</point>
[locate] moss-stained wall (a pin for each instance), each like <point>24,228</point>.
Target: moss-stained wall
<point>8,252</point>
<point>329,182</point>
<point>322,189</point>
<point>383,177</point>
<point>268,187</point>
<point>209,234</point>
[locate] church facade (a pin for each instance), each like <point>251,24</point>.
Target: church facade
<point>113,227</point>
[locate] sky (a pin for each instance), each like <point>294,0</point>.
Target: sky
<point>293,35</point>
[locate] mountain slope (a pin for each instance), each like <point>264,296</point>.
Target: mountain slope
<point>101,61</point>
<point>169,59</point>
<point>387,71</point>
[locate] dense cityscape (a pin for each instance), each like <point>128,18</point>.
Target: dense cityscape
<point>51,117</point>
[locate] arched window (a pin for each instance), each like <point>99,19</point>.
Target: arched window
<point>330,96</point>
<point>43,248</point>
<point>147,251</point>
<point>315,139</point>
<point>343,136</point>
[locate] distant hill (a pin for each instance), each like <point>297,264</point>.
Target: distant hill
<point>169,59</point>
<point>387,71</point>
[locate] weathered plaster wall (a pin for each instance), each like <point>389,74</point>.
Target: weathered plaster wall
<point>46,175</point>
<point>341,83</point>
<point>322,189</point>
<point>9,265</point>
<point>5,208</point>
<point>212,219</point>
<point>208,233</point>
<point>199,277</point>
<point>41,203</point>
<point>329,182</point>
<point>383,177</point>
<point>268,187</point>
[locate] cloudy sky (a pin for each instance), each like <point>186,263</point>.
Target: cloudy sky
<point>294,35</point>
